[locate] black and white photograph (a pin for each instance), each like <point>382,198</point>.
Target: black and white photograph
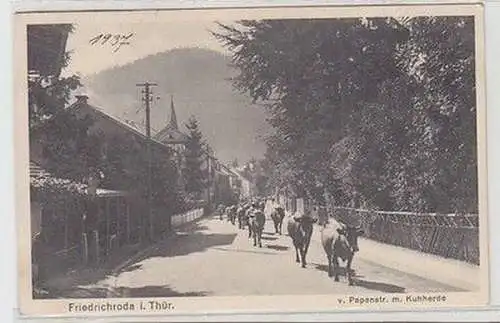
<point>251,159</point>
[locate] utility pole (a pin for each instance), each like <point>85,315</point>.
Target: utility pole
<point>147,99</point>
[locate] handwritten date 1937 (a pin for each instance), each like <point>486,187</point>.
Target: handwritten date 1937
<point>116,41</point>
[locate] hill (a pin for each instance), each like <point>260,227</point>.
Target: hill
<point>198,79</point>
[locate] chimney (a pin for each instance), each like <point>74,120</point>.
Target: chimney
<point>82,98</point>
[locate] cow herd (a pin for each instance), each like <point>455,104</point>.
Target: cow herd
<point>339,241</point>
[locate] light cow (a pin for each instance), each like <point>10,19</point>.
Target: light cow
<point>340,241</point>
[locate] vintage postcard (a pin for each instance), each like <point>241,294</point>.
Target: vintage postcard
<point>257,160</point>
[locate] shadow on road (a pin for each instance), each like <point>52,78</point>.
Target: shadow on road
<point>76,293</point>
<point>381,287</point>
<point>131,268</point>
<point>341,270</point>
<point>154,291</point>
<point>59,279</point>
<point>257,250</point>
<point>269,238</point>
<point>192,238</point>
<point>277,247</point>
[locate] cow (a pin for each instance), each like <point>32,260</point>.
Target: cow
<point>257,221</point>
<point>340,241</point>
<point>227,211</point>
<point>277,215</point>
<point>220,210</point>
<point>300,229</point>
<point>231,214</point>
<point>242,216</point>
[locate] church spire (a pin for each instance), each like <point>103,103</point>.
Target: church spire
<point>173,118</point>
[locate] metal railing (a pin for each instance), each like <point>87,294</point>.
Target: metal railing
<point>187,217</point>
<point>448,235</point>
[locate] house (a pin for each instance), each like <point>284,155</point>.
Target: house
<point>223,190</point>
<point>247,188</point>
<point>216,180</point>
<point>122,139</point>
<point>118,217</point>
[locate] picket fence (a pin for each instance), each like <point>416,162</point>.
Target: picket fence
<point>187,217</point>
<point>448,235</point>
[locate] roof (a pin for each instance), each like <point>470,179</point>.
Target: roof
<point>40,178</point>
<point>80,103</point>
<point>171,136</point>
<point>101,192</point>
<point>226,169</point>
<point>37,171</point>
<point>171,133</point>
<point>241,176</point>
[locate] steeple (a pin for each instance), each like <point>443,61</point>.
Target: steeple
<point>171,132</point>
<point>173,118</point>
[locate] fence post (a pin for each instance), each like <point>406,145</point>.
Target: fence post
<point>127,210</point>
<point>97,246</point>
<point>85,248</point>
<point>66,219</point>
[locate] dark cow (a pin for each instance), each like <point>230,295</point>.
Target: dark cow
<point>227,211</point>
<point>300,230</point>
<point>220,210</point>
<point>277,215</point>
<point>340,241</point>
<point>231,214</point>
<point>257,221</point>
<point>242,216</point>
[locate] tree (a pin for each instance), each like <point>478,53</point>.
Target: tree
<point>407,129</point>
<point>48,92</point>
<point>194,154</point>
<point>68,151</point>
<point>310,74</point>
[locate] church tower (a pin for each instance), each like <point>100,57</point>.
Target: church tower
<point>171,135</point>
<point>173,117</point>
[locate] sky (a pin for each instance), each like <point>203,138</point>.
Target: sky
<point>148,38</point>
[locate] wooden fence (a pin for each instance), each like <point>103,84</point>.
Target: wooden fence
<point>448,235</point>
<point>190,216</point>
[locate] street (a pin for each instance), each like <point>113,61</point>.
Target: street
<point>214,258</point>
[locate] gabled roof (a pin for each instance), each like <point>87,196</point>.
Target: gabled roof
<point>238,174</point>
<point>170,136</point>
<point>80,104</point>
<point>171,133</point>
